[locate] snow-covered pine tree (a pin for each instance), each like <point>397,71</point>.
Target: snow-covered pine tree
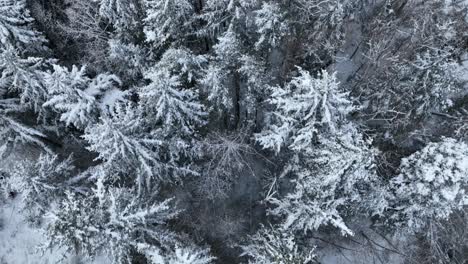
<point>432,184</point>
<point>236,74</point>
<point>13,133</point>
<point>167,21</point>
<point>78,99</point>
<point>22,78</point>
<point>126,148</point>
<point>330,162</point>
<point>171,104</point>
<point>218,78</point>
<point>319,26</point>
<point>305,107</point>
<point>21,97</point>
<point>126,59</point>
<point>217,15</point>
<point>235,78</point>
<point>123,14</point>
<point>16,26</point>
<point>41,183</point>
<point>114,222</point>
<point>271,25</point>
<point>267,23</point>
<point>270,245</point>
<point>329,178</point>
<point>181,255</point>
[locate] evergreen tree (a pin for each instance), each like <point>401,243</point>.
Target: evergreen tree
<point>41,183</point>
<point>167,21</point>
<point>13,133</point>
<point>269,245</point>
<point>123,147</point>
<point>271,25</point>
<point>76,96</point>
<point>16,26</point>
<point>168,99</point>
<point>305,107</point>
<point>127,60</point>
<point>171,105</point>
<point>22,78</point>
<point>328,179</point>
<point>200,84</point>
<point>331,163</point>
<point>431,185</point>
<point>183,255</point>
<point>120,13</point>
<point>116,224</point>
<point>21,95</point>
<point>218,77</point>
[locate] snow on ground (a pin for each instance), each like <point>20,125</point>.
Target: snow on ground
<point>19,242</point>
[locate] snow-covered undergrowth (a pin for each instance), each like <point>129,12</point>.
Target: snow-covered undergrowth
<point>20,243</point>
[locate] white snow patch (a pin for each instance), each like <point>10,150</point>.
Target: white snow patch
<point>19,242</point>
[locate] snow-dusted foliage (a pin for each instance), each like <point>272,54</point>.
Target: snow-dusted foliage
<point>228,156</point>
<point>127,59</point>
<point>75,96</point>
<point>13,133</point>
<point>167,20</point>
<point>113,223</point>
<point>401,87</point>
<point>121,145</point>
<point>305,106</point>
<point>121,13</point>
<point>434,78</point>
<point>271,26</point>
<point>15,25</point>
<point>21,92</point>
<point>329,178</point>
<point>40,182</point>
<point>190,123</point>
<point>269,245</point>
<point>183,255</point>
<point>332,164</point>
<point>171,108</point>
<point>21,76</point>
<point>168,101</point>
<point>432,184</point>
<point>89,31</point>
<point>216,81</point>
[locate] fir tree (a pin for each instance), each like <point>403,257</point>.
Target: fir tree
<point>431,184</point>
<point>167,21</point>
<point>330,162</point>
<point>171,104</point>
<point>305,107</point>
<point>269,245</point>
<point>116,224</point>
<point>22,78</point>
<point>124,147</point>
<point>41,183</point>
<point>76,96</point>
<point>120,13</point>
<point>16,26</point>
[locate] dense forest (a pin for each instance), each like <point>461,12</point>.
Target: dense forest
<point>234,131</point>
